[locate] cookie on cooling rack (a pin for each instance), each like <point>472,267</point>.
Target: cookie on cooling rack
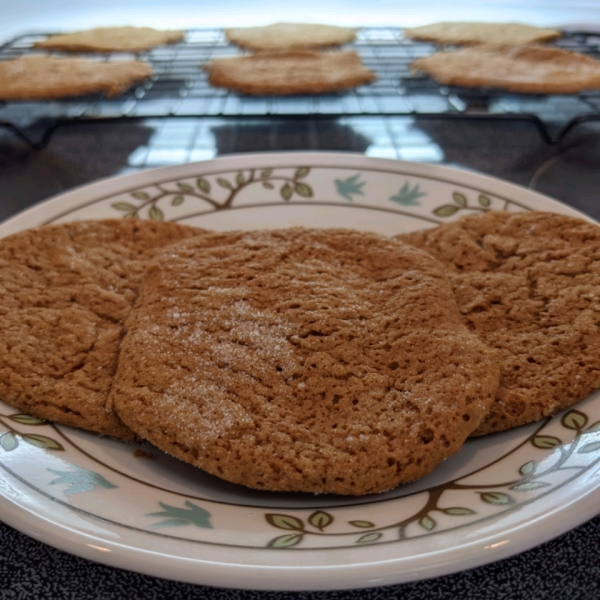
<point>466,33</point>
<point>290,36</point>
<point>65,291</point>
<point>111,39</point>
<point>528,284</point>
<point>286,73</point>
<point>45,77</point>
<point>324,361</point>
<point>526,69</point>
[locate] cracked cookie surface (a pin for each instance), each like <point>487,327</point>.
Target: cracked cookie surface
<point>324,361</point>
<point>65,291</point>
<point>529,285</point>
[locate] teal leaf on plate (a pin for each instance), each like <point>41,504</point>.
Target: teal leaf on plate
<point>80,480</point>
<point>408,196</point>
<point>347,188</point>
<point>9,441</point>
<point>177,517</point>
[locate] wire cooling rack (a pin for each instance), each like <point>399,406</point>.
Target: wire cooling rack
<point>180,88</point>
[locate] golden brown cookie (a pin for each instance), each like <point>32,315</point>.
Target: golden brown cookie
<point>65,291</point>
<point>525,69</point>
<point>290,36</point>
<point>285,73</point>
<point>466,33</point>
<point>528,284</point>
<point>325,361</point>
<point>45,77</point>
<point>111,39</point>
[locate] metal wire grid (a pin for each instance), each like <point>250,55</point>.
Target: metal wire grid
<point>180,88</point>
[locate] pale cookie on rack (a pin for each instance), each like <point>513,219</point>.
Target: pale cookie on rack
<point>528,284</point>
<point>286,73</point>
<point>467,33</point>
<point>528,69</point>
<point>290,36</point>
<point>323,361</point>
<point>45,77</point>
<point>65,291</point>
<point>111,39</point>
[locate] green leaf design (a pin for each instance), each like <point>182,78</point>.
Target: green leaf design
<point>528,468</point>
<point>302,172</point>
<point>484,200</point>
<point>268,185</point>
<point>529,485</point>
<point>284,521</point>
<point>80,480</point>
<point>131,215</point>
<point>9,441</point>
<point>407,196</point>
<point>460,199</point>
<point>224,183</point>
<point>458,511</point>
<point>593,447</point>
<point>347,188</point>
<point>286,541</point>
<point>446,210</point>
<point>177,201</point>
<point>320,519</point>
<point>156,214</point>
<point>24,419</point>
<point>185,187</point>
<point>427,522</point>
<point>545,441</point>
<point>203,185</point>
<point>177,517</point>
<point>368,538</point>
<point>594,427</point>
<point>124,206</point>
<point>286,192</point>
<point>303,190</point>
<point>496,498</point>
<point>41,441</point>
<point>141,195</point>
<point>362,524</point>
<point>574,419</point>
<point>266,173</point>
<point>239,179</point>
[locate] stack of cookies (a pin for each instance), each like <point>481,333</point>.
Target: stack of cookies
<point>323,361</point>
<point>288,58</point>
<point>43,77</point>
<point>507,56</point>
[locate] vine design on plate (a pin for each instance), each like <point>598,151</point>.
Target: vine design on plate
<point>531,477</point>
<point>484,204</point>
<point>11,438</point>
<point>148,202</point>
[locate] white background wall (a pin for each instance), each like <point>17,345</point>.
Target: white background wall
<point>25,16</point>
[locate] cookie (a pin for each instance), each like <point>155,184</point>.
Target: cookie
<point>285,73</point>
<point>525,69</point>
<point>65,291</point>
<point>528,284</point>
<point>466,33</point>
<point>324,361</point>
<point>45,77</point>
<point>111,39</point>
<point>290,36</point>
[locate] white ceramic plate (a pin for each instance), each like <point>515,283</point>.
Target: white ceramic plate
<point>135,508</point>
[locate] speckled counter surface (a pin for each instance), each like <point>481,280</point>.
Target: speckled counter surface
<point>567,567</point>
